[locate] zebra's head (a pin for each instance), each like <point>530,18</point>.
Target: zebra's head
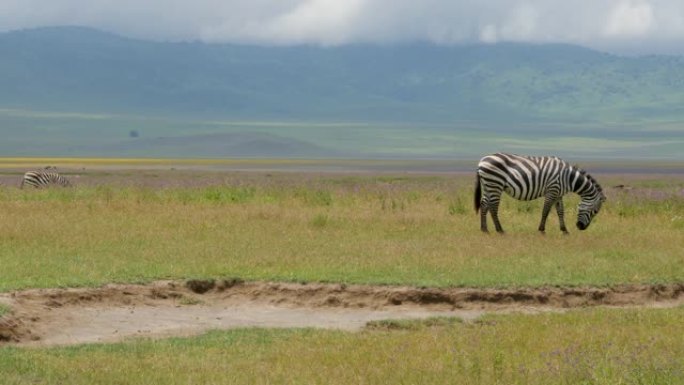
<point>587,209</point>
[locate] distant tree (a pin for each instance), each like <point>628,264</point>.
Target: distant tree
<point>133,134</point>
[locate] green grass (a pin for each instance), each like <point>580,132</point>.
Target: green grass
<point>592,346</point>
<point>411,230</point>
<point>380,230</point>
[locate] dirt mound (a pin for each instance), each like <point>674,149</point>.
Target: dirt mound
<point>116,312</point>
<point>13,330</point>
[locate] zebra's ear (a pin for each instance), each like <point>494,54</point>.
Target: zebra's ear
<point>603,198</point>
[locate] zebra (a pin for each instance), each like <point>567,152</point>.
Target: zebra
<point>530,177</point>
<point>40,179</point>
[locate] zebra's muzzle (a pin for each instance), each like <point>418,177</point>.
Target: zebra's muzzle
<point>582,226</point>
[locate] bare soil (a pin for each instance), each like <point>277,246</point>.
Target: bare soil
<point>44,317</point>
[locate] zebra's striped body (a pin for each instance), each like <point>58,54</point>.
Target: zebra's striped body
<point>40,179</point>
<point>531,177</point>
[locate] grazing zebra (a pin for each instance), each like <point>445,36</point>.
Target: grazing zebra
<point>40,179</point>
<point>531,177</point>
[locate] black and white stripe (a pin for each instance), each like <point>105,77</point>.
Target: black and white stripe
<point>40,179</point>
<point>531,177</point>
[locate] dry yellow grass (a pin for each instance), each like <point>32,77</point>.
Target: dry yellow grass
<point>417,231</point>
<point>362,229</point>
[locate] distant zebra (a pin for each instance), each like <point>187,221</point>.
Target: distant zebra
<point>40,179</point>
<point>531,177</point>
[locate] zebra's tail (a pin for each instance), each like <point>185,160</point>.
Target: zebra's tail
<point>478,192</point>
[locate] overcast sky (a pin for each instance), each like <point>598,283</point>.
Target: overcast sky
<point>627,26</point>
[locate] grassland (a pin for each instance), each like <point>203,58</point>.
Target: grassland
<point>593,346</point>
<point>65,134</point>
<point>355,229</point>
<point>376,229</point>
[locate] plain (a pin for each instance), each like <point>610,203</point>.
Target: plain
<point>418,230</point>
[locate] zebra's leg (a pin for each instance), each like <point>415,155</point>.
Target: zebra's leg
<point>561,216</point>
<point>548,202</point>
<point>484,207</point>
<point>494,209</point>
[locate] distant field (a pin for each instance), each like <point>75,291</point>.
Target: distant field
<point>78,134</point>
<point>187,169</point>
<point>10,166</point>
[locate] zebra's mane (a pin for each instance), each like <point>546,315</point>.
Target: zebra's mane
<point>591,178</point>
<point>45,172</point>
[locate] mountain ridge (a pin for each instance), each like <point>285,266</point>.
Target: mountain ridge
<point>81,69</point>
<point>74,91</point>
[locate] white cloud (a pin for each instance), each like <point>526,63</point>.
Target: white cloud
<point>320,21</point>
<point>489,34</point>
<point>632,25</point>
<point>331,21</point>
<point>630,19</point>
<point>521,23</point>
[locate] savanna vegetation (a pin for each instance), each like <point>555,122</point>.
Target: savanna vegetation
<point>416,230</point>
<point>592,346</point>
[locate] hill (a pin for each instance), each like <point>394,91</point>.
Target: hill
<point>525,90</point>
<point>79,69</point>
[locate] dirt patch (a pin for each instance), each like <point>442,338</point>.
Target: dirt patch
<point>116,312</point>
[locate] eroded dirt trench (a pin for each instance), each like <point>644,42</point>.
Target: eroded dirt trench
<point>44,317</point>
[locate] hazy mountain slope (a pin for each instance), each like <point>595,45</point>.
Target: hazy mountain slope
<point>76,91</point>
<point>78,69</point>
